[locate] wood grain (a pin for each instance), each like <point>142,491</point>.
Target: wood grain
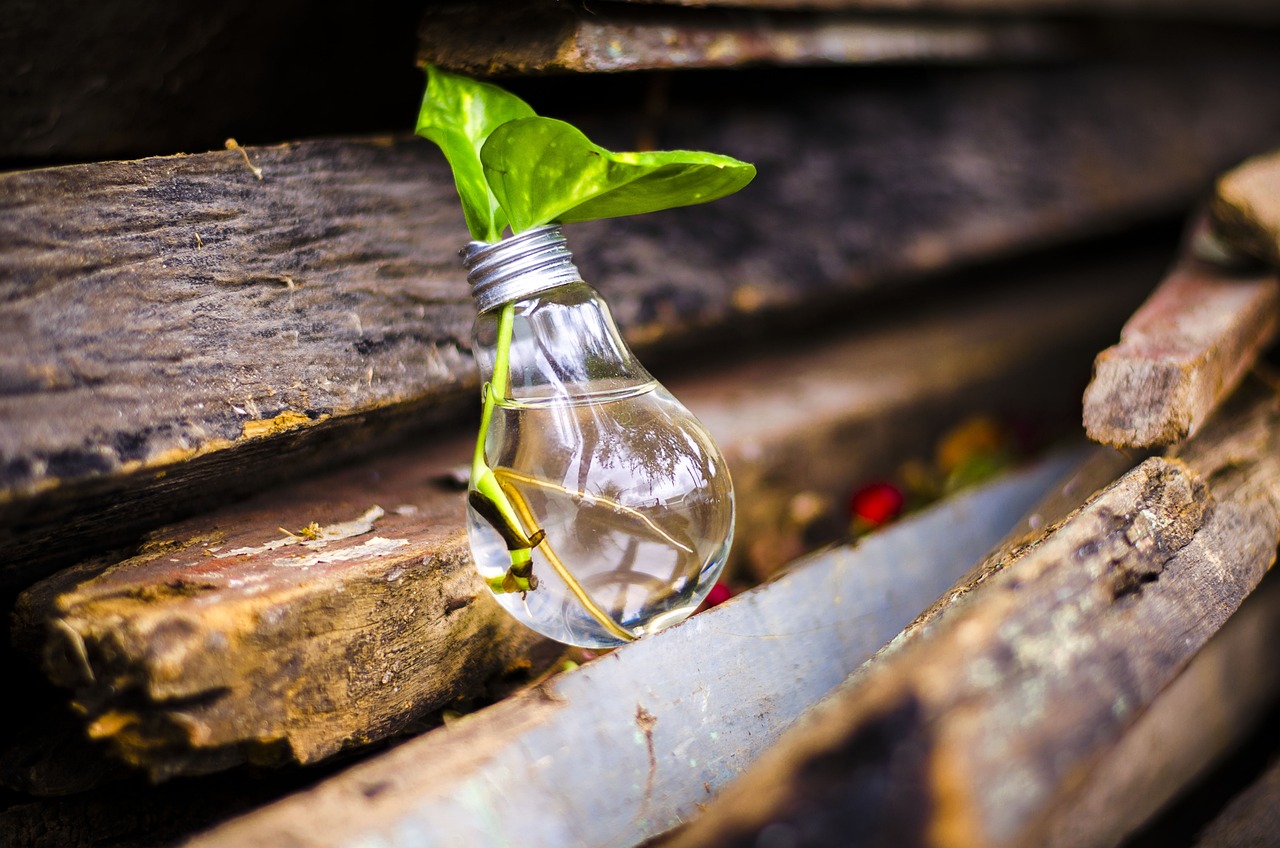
<point>174,332</point>
<point>1202,718</point>
<point>972,733</point>
<point>540,37</point>
<point>1181,354</point>
<point>1213,9</point>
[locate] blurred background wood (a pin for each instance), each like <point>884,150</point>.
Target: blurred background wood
<point>1245,208</point>
<point>608,37</point>
<point>1207,9</point>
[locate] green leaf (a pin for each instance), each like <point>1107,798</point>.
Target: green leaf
<point>458,114</point>
<point>545,171</point>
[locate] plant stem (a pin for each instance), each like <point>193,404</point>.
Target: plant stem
<point>579,592</point>
<point>518,515</point>
<point>481,474</point>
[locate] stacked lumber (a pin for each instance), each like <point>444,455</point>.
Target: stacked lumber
<point>178,333</point>
<point>227,639</point>
<point>236,389</point>
<point>1045,698</point>
<point>973,731</point>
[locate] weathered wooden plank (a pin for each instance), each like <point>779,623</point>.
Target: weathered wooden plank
<point>526,37</point>
<point>1213,9</point>
<point>154,357</point>
<point>1181,354</point>
<point>1100,469</point>
<point>1245,208</point>
<point>627,746</point>
<point>1207,712</point>
<point>969,735</point>
<point>186,658</point>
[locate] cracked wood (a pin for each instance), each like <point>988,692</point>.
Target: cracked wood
<point>974,731</point>
<point>571,762</point>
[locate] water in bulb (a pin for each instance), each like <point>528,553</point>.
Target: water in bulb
<point>636,506</point>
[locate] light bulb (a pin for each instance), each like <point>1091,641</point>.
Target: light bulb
<point>607,512</point>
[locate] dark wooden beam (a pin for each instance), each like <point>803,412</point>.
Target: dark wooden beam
<point>1206,9</point>
<point>608,37</point>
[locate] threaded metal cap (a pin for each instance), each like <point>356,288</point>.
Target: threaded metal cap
<point>516,267</point>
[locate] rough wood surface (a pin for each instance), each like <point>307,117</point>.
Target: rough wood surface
<point>173,331</point>
<point>525,37</point>
<point>1245,208</point>
<point>1205,714</point>
<point>187,658</point>
<point>629,745</point>
<point>971,734</point>
<point>1180,354</point>
<point>1100,469</point>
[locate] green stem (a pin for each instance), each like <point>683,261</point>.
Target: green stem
<point>516,515</point>
<point>481,474</point>
<point>496,388</point>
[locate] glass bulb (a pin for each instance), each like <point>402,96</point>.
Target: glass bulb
<point>622,504</point>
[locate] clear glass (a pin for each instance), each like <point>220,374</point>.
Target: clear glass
<point>633,495</point>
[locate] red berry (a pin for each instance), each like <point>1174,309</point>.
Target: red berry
<point>876,503</point>
<point>719,593</point>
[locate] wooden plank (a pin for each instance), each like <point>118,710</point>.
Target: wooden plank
<point>1205,714</point>
<point>972,733</point>
<point>1245,208</point>
<point>184,658</point>
<point>1181,354</point>
<point>154,358</point>
<point>1228,686</point>
<point>1210,9</point>
<point>628,745</point>
<point>529,37</point>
